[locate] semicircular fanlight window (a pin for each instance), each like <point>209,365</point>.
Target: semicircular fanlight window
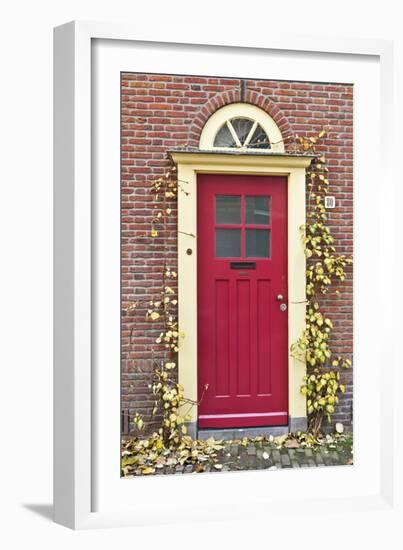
<point>242,132</point>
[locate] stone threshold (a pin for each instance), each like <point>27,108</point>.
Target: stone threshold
<point>239,433</point>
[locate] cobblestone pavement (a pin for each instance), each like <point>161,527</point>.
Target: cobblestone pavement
<point>262,456</point>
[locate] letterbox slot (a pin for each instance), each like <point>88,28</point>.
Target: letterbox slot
<point>243,265</point>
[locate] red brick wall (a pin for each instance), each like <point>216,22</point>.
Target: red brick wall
<point>160,112</point>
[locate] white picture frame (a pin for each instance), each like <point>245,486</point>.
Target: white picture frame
<point>88,491</point>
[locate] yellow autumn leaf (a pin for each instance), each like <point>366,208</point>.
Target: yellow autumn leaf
<point>154,315</point>
<point>139,422</point>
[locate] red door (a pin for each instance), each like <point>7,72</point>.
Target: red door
<point>242,297</point>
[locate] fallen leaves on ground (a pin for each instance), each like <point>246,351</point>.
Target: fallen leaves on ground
<point>291,443</point>
<point>148,456</point>
<point>145,456</point>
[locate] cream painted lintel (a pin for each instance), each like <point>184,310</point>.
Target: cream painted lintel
<point>241,159</point>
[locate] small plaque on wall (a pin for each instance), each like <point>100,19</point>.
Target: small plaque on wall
<point>330,202</point>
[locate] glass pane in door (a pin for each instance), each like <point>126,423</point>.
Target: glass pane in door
<point>227,243</point>
<point>228,209</point>
<point>257,243</point>
<point>257,209</point>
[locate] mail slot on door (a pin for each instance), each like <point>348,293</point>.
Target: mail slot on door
<point>243,265</point>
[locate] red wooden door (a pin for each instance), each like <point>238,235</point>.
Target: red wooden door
<point>242,297</point>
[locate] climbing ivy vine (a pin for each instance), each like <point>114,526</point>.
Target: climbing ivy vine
<point>325,270</point>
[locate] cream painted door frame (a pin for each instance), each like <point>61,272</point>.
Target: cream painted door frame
<point>189,164</point>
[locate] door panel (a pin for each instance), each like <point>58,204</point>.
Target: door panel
<point>263,337</point>
<point>222,357</point>
<point>242,332</point>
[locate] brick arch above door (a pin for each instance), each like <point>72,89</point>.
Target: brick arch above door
<point>234,96</point>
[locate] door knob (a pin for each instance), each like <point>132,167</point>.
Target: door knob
<point>280,297</point>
